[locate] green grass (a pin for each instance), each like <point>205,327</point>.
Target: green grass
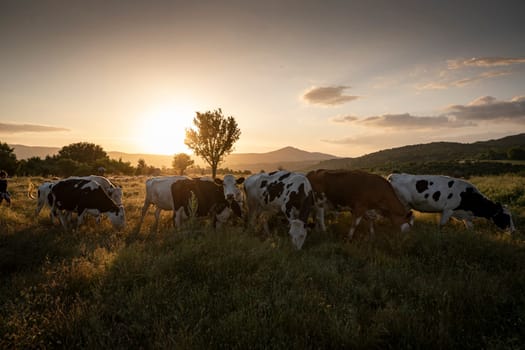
<point>234,288</point>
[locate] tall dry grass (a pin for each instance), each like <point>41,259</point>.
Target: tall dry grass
<point>236,288</point>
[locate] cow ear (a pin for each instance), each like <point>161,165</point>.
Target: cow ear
<point>218,181</point>
<point>240,180</point>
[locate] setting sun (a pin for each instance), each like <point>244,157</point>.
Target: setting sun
<point>161,129</point>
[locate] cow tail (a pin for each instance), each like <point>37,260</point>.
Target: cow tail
<point>30,189</point>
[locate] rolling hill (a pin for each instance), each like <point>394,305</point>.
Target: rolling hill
<point>421,153</point>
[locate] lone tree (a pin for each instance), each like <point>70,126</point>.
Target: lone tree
<point>213,138</point>
<point>181,161</point>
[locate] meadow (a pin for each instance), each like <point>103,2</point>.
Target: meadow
<point>236,288</point>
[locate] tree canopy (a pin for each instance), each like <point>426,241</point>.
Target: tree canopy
<point>181,161</point>
<point>213,137</point>
<point>83,152</point>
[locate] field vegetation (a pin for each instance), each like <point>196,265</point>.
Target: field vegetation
<point>236,288</point>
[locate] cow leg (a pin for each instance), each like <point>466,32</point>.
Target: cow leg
<point>145,208</point>
<point>157,218</point>
<point>178,216</point>
<point>445,216</point>
<point>80,218</point>
<point>355,222</point>
<point>372,233</point>
<point>319,219</point>
<point>63,219</point>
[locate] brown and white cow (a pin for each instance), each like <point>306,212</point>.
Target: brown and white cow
<point>281,191</point>
<point>83,196</point>
<point>209,198</point>
<point>360,191</point>
<point>449,196</point>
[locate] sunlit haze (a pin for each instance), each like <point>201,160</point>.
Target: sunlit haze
<point>340,77</point>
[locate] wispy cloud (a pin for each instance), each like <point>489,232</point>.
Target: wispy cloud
<point>483,109</point>
<point>328,95</point>
<point>406,121</point>
<point>10,128</point>
<point>345,119</point>
<point>488,108</point>
<point>484,62</point>
<point>445,82</point>
<point>462,72</point>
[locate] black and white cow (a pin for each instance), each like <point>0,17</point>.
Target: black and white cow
<point>281,191</point>
<point>158,193</point>
<point>449,196</point>
<point>115,192</point>
<point>209,198</point>
<point>83,196</point>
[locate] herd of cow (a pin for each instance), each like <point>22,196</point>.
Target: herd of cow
<point>295,195</point>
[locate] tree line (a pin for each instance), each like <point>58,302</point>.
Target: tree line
<point>212,138</point>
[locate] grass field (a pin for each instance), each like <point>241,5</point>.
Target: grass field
<point>237,289</point>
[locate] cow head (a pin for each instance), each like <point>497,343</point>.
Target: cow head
<point>298,233</point>
<point>117,217</point>
<point>503,219</point>
<point>229,185</point>
<point>116,194</point>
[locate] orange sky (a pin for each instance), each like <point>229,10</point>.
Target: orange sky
<point>340,77</point>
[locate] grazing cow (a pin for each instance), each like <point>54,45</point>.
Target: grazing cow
<point>449,196</point>
<point>81,195</point>
<point>210,201</point>
<point>281,191</point>
<point>360,191</point>
<point>158,193</point>
<point>113,191</point>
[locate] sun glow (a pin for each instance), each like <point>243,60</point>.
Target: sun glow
<point>161,129</point>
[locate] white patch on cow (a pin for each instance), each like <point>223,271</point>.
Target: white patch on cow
<point>118,220</point>
<point>298,233</point>
<point>224,215</point>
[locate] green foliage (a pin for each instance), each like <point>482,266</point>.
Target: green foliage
<point>213,138</point>
<point>7,159</point>
<point>231,288</point>
<point>181,161</point>
<point>83,152</point>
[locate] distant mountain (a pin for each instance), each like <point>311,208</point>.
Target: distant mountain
<point>420,153</point>
<point>288,158</point>
<point>25,152</point>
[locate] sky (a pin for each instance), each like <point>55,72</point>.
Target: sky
<point>340,77</point>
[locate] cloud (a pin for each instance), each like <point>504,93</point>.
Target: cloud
<point>406,121</point>
<point>345,119</point>
<point>328,95</point>
<point>488,108</point>
<point>484,62</point>
<point>447,83</point>
<point>9,128</point>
